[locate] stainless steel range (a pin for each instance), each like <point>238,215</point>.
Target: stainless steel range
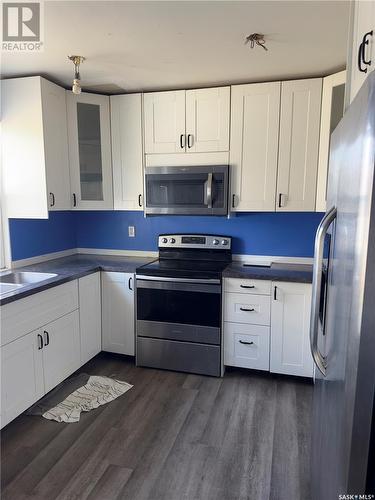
<point>178,304</point>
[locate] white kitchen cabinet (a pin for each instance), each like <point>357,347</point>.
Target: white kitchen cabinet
<point>207,119</point>
<point>247,346</point>
<point>247,308</point>
<point>127,152</point>
<point>333,101</point>
<point>164,122</point>
<point>118,312</point>
<point>254,144</point>
<point>89,140</point>
<point>290,322</point>
<point>62,349</point>
<point>193,121</point>
<point>22,381</point>
<point>298,145</point>
<point>90,316</point>
<point>34,147</point>
<point>362,47</point>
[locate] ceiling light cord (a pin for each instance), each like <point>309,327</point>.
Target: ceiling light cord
<point>77,60</point>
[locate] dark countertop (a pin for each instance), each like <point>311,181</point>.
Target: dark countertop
<point>297,273</point>
<point>78,265</point>
<point>71,268</point>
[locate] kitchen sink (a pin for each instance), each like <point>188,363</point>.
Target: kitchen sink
<point>12,281</point>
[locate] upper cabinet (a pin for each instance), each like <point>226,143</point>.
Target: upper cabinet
<point>127,154</point>
<point>187,121</point>
<point>333,101</point>
<point>90,151</point>
<point>164,121</point>
<point>35,149</point>
<point>254,146</point>
<point>298,145</point>
<point>207,120</point>
<point>361,60</point>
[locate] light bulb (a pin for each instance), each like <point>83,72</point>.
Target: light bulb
<point>76,88</point>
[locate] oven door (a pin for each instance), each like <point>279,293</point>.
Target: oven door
<point>187,190</point>
<point>179,309</point>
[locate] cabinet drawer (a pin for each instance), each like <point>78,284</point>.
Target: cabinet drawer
<point>247,308</point>
<point>259,287</point>
<point>28,314</point>
<point>246,346</point>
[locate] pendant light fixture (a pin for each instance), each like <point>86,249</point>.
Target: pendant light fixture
<point>77,60</point>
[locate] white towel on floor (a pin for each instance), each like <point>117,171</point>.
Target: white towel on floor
<point>98,391</point>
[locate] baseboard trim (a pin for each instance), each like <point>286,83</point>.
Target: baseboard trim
<point>42,258</point>
<point>268,259</point>
<point>121,253</point>
<point>249,259</point>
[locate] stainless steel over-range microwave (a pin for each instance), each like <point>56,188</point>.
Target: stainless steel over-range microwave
<point>191,190</point>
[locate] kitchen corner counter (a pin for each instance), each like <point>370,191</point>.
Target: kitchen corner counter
<point>278,271</point>
<point>71,268</point>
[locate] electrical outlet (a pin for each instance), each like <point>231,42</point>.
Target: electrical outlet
<point>131,231</point>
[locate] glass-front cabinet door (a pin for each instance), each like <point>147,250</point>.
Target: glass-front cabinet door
<point>90,151</point>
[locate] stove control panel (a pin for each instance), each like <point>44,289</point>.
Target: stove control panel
<point>202,241</point>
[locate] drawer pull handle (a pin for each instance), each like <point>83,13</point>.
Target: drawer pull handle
<point>247,286</point>
<point>40,342</point>
<point>46,337</point>
<point>245,343</point>
<point>247,310</point>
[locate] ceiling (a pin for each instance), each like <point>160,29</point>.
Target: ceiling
<point>155,45</point>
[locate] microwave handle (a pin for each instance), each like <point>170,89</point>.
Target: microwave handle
<point>209,190</point>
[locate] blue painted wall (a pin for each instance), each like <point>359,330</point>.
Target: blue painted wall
<point>32,237</point>
<point>285,234</point>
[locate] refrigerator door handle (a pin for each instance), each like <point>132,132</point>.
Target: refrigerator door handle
<point>321,232</point>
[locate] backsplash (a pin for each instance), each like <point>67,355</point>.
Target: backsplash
<point>258,233</point>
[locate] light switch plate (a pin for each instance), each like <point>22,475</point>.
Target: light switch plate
<point>131,231</point>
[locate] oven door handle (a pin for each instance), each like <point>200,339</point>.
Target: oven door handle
<point>178,280</point>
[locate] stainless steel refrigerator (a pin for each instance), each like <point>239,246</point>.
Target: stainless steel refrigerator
<point>342,331</point>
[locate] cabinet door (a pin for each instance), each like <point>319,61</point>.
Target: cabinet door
<point>56,145</point>
<point>90,151</point>
<point>90,316</point>
<point>62,349</point>
<point>254,146</point>
<point>363,23</point>
<point>298,145</point>
<point>164,122</point>
<point>22,149</point>
<point>290,323</point>
<point>127,154</point>
<point>207,119</point>
<point>21,375</point>
<point>333,101</point>
<point>118,312</point>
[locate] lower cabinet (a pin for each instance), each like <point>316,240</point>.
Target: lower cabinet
<point>247,346</point>
<point>290,323</point>
<point>61,349</point>
<point>90,316</point>
<point>118,312</point>
<point>267,332</point>
<point>35,363</point>
<point>22,381</point>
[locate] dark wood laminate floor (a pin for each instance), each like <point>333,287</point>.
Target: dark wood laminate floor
<point>173,436</point>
